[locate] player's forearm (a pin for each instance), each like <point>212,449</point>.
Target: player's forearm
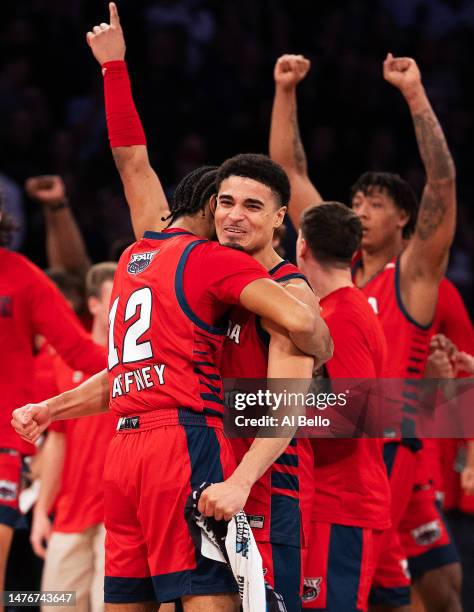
<point>143,190</point>
<point>52,462</point>
<point>317,342</point>
<point>91,397</point>
<point>432,145</point>
<point>286,147</point>
<point>256,461</point>
<point>64,243</point>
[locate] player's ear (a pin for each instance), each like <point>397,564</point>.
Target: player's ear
<point>213,203</point>
<point>403,218</point>
<point>93,305</point>
<point>279,216</point>
<point>301,246</point>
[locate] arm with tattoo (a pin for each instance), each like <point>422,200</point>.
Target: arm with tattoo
<point>424,260</point>
<point>286,147</point>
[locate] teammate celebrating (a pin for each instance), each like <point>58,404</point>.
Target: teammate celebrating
<point>349,514</point>
<point>29,304</point>
<point>257,188</point>
<point>164,345</point>
<point>400,283</point>
<point>72,464</point>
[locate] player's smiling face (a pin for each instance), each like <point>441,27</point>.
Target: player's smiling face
<point>382,221</point>
<point>246,214</point>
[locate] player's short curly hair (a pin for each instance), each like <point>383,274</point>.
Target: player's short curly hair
<point>192,192</point>
<point>333,233</point>
<point>395,187</point>
<point>259,168</point>
<point>7,225</point>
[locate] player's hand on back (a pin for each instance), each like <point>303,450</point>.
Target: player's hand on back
<point>49,190</point>
<point>106,40</point>
<point>403,73</point>
<point>290,70</point>
<point>223,500</point>
<point>31,420</point>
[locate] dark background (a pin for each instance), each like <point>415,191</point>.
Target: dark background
<point>202,78</point>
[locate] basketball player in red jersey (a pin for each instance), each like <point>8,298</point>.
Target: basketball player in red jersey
<point>400,280</point>
<point>351,505</point>
<point>423,530</point>
<point>164,347</point>
<point>252,175</point>
<point>277,502</point>
<point>29,304</point>
<point>72,464</point>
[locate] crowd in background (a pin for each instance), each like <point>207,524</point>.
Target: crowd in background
<point>202,76</point>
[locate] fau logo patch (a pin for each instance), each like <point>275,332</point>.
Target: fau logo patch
<point>6,306</point>
<point>140,262</point>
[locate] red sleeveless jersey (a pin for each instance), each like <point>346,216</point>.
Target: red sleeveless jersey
<point>162,354</point>
<point>407,340</point>
<point>245,355</point>
<point>452,320</point>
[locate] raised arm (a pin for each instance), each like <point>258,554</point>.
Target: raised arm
<point>143,190</point>
<point>286,147</point>
<point>65,247</point>
<point>424,260</point>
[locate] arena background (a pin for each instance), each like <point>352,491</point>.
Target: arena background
<point>202,77</point>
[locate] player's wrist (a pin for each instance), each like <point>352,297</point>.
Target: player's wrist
<point>118,65</point>
<point>57,205</point>
<point>415,97</point>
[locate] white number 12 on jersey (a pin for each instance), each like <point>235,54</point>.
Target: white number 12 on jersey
<point>132,349</point>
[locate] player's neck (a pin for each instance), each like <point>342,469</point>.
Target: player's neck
<point>268,257</point>
<point>98,333</point>
<point>325,280</point>
<point>375,261</point>
<point>194,224</point>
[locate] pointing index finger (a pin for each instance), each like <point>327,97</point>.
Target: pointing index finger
<point>114,16</point>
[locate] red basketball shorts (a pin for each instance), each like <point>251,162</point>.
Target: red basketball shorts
<point>339,567</point>
<point>152,466</point>
<point>10,481</point>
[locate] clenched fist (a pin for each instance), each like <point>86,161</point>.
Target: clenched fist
<point>49,190</point>
<point>106,40</point>
<point>402,73</point>
<point>31,420</point>
<point>290,70</point>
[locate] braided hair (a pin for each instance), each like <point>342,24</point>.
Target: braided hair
<point>192,192</point>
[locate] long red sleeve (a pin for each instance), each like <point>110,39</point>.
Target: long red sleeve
<point>123,123</point>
